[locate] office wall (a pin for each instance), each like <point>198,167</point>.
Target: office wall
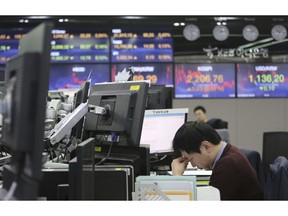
<point>247,119</point>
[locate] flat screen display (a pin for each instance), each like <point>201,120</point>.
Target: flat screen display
<point>204,80</point>
<point>159,128</point>
<point>158,74</point>
<point>262,80</point>
<point>80,46</point>
<point>9,43</point>
<point>142,45</point>
<point>73,75</point>
<point>67,46</point>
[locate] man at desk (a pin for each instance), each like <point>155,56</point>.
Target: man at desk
<point>232,173</point>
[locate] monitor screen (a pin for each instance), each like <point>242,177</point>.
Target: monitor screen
<point>9,40</point>
<point>26,80</point>
<point>124,105</point>
<point>159,128</point>
<point>140,44</point>
<point>159,97</point>
<point>73,75</point>
<point>204,80</point>
<point>158,74</point>
<point>80,45</point>
<point>262,80</point>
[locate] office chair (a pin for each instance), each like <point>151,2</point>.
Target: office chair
<point>224,134</point>
<point>274,144</point>
<point>217,123</point>
<point>276,187</point>
<point>255,160</point>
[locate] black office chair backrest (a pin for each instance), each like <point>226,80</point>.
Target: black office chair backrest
<point>256,162</point>
<point>217,123</point>
<point>274,144</point>
<point>276,187</point>
<point>224,134</point>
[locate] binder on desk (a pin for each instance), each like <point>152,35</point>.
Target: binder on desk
<point>165,188</point>
<point>202,176</point>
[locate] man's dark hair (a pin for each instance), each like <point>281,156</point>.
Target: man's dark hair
<point>200,108</point>
<point>191,134</point>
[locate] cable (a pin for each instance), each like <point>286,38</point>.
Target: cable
<point>108,154</point>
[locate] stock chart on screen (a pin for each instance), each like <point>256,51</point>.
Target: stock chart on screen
<point>262,80</point>
<point>204,80</point>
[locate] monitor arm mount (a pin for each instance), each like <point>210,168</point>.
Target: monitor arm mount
<point>64,127</point>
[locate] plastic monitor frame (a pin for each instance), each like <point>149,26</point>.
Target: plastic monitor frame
<point>125,105</point>
<point>81,96</point>
<point>27,78</point>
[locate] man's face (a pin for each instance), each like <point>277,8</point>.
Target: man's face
<point>200,116</point>
<point>201,160</point>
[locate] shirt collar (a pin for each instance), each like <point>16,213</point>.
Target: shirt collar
<point>219,154</point>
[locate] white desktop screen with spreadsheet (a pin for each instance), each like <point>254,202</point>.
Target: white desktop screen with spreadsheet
<point>159,128</point>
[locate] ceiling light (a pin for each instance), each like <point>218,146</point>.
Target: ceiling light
<point>38,17</point>
<point>133,17</point>
<point>176,24</point>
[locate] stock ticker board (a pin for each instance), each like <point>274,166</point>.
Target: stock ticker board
<point>157,73</point>
<point>262,80</point>
<point>142,45</point>
<point>204,80</point>
<point>9,43</point>
<point>93,45</point>
<point>67,76</point>
<point>80,46</point>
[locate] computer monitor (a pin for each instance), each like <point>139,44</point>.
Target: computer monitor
<point>124,103</point>
<point>24,106</point>
<point>159,97</point>
<point>81,172</point>
<point>138,157</point>
<point>159,128</point>
<point>81,96</point>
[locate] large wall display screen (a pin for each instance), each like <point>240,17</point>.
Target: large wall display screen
<point>262,80</point>
<point>158,74</point>
<point>141,45</point>
<point>73,75</point>
<point>9,43</point>
<point>80,46</point>
<point>67,46</point>
<point>204,80</point>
